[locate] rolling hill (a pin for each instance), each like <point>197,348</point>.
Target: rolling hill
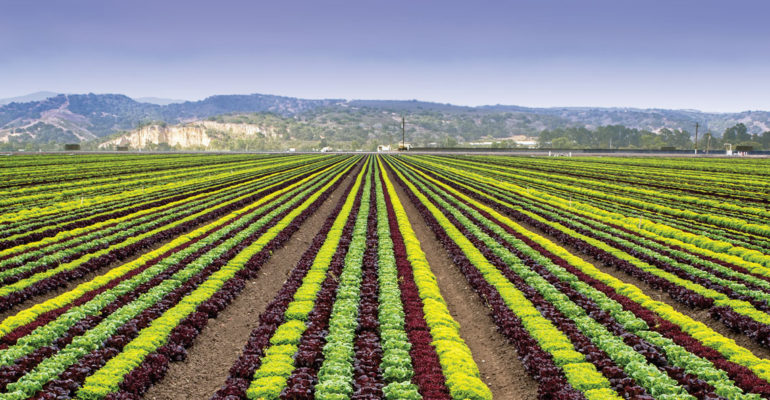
<point>67,118</point>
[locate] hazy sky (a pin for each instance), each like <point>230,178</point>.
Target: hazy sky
<point>708,55</point>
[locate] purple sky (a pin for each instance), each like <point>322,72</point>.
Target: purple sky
<point>707,55</point>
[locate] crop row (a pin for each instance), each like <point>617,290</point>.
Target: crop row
<point>577,330</point>
<point>109,333</point>
<point>97,204</point>
<point>24,276</point>
<point>734,289</point>
<point>743,226</point>
<point>360,317</point>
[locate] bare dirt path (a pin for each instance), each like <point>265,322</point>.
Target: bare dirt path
<point>220,343</point>
<point>498,363</point>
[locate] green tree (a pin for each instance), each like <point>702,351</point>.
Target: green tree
<point>736,134</point>
<point>765,140</point>
<point>562,143</point>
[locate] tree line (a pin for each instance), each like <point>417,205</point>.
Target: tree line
<point>622,137</point>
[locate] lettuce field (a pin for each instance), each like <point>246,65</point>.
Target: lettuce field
<point>359,276</point>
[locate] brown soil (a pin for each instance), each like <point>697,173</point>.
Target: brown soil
<point>660,295</point>
<point>220,343</point>
<point>498,363</point>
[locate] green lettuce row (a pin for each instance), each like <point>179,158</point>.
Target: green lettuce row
<point>677,355</point>
<point>699,331</point>
<point>132,221</point>
<point>121,183</point>
<point>21,284</point>
<point>130,228</point>
<point>92,205</point>
<point>606,202</point>
<point>704,230</point>
<point>720,299</point>
<point>335,376</point>
<point>397,369</point>
<point>726,222</point>
<point>457,364</point>
<point>65,207</point>
<point>634,225</point>
<point>36,224</point>
<point>677,180</point>
<point>660,196</point>
<point>691,241</point>
<point>107,379</point>
<point>648,244</point>
<point>82,345</point>
<point>635,365</point>
<point>26,316</point>
<point>736,286</point>
<point>44,335</point>
<point>278,363</point>
<point>26,195</point>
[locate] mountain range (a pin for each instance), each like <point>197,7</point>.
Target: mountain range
<point>48,118</point>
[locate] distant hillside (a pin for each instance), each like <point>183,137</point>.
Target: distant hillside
<point>66,118</point>
<point>37,96</point>
<point>90,117</point>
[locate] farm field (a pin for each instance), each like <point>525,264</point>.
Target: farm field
<point>358,276</point>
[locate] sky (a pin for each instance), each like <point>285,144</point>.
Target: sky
<point>706,55</point>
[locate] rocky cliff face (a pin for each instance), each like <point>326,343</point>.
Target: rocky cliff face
<point>198,134</point>
<point>240,129</point>
<point>185,136</point>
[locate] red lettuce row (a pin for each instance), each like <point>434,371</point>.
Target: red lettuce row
<point>75,255</point>
<point>153,367</point>
<point>76,374</point>
<point>309,356</point>
<point>367,376</point>
<point>111,234</point>
<point>85,297</point>
<point>121,211</point>
<point>63,278</point>
<point>677,292</point>
<point>759,304</point>
<point>700,261</point>
<point>757,331</point>
<point>552,383</point>
<point>744,377</point>
<point>124,207</point>
<point>243,369</point>
<point>30,361</point>
<point>623,384</point>
<point>427,370</point>
<point>620,381</point>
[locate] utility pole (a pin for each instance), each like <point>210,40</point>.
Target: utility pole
<point>696,137</point>
<point>708,143</point>
<point>403,131</point>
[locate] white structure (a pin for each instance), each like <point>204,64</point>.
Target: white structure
<point>383,147</point>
